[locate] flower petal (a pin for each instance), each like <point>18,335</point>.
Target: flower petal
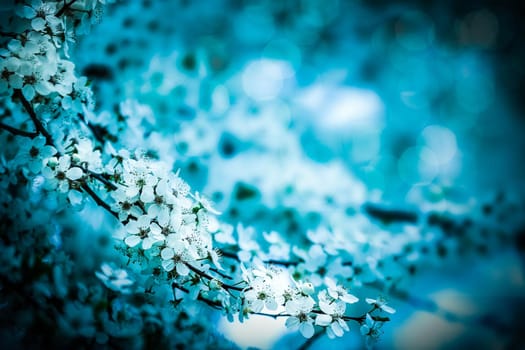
<point>323,320</point>
<point>349,298</point>
<point>167,253</point>
<point>29,92</point>
<point>168,265</point>
<point>336,328</point>
<point>38,24</point>
<point>74,173</point>
<point>182,269</point>
<point>132,240</point>
<point>292,323</point>
<point>388,309</point>
<point>307,329</point>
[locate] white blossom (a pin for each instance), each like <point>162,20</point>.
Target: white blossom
<point>380,303</point>
<point>114,278</point>
<point>34,153</point>
<point>338,292</point>
<point>371,330</point>
<point>59,173</point>
<point>299,308</point>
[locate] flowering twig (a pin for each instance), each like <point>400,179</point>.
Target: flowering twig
<point>211,278</point>
<point>38,124</point>
<point>49,140</point>
<point>358,319</point>
<point>101,178</point>
<point>213,304</point>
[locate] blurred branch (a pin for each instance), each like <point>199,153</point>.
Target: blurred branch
<point>388,215</point>
<point>18,132</point>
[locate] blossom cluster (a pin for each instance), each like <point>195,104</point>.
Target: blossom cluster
<point>298,238</point>
<point>166,232</point>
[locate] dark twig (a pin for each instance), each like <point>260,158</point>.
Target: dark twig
<point>101,178</point>
<point>18,132</point>
<point>93,129</point>
<point>66,6</point>
<point>205,275</point>
<point>38,124</point>
<point>49,140</point>
<point>389,215</point>
<point>211,303</point>
<point>223,275</point>
<point>98,200</point>
<point>9,34</point>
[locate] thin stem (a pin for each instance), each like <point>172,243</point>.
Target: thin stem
<point>234,256</point>
<point>283,263</point>
<point>94,131</point>
<point>66,6</point>
<point>101,178</point>
<point>230,255</point>
<point>38,124</point>
<point>223,275</point>
<point>211,278</point>
<point>98,200</point>
<point>9,34</point>
<point>274,316</point>
<point>209,302</point>
<point>358,319</point>
<point>49,140</point>
<point>18,132</point>
<point>389,215</point>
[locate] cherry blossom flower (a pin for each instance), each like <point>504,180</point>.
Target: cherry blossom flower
<point>300,308</point>
<point>40,13</point>
<point>380,303</point>
<point>333,315</point>
<point>158,197</point>
<point>338,292</point>
<point>136,176</point>
<point>60,174</point>
<point>114,278</point>
<point>263,294</point>
<point>371,330</point>
<point>123,205</point>
<point>174,258</point>
<point>34,153</point>
<point>140,231</point>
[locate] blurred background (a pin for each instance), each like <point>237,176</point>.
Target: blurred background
<point>292,115</point>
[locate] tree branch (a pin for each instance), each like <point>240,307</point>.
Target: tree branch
<point>101,178</point>
<point>66,6</point>
<point>38,124</point>
<point>205,275</point>
<point>211,303</point>
<point>18,132</point>
<point>389,215</point>
<point>98,200</point>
